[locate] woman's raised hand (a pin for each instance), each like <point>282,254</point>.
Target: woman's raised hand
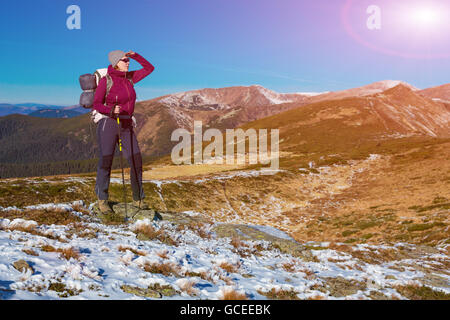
<point>129,53</point>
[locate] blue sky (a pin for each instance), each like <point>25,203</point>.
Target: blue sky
<point>283,45</point>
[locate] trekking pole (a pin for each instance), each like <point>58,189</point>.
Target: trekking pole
<point>121,165</point>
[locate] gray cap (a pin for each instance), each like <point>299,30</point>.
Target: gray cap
<point>115,56</point>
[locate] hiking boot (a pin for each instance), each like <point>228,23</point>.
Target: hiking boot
<point>104,207</point>
<point>140,204</point>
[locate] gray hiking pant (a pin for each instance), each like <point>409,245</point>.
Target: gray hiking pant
<point>108,138</point>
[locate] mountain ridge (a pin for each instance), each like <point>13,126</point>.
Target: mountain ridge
<point>398,111</point>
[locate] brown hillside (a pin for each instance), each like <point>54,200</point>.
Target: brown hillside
<point>439,93</point>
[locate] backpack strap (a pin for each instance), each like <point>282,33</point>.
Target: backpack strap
<point>109,84</point>
<point>98,76</point>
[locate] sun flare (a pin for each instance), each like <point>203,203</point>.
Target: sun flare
<point>425,17</point>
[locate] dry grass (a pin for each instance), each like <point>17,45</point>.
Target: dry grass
<point>147,232</point>
<point>317,297</point>
<point>204,234</point>
<point>66,253</point>
<point>43,216</point>
<point>309,273</point>
<point>81,230</point>
<point>24,227</point>
<point>414,206</point>
<point>172,171</point>
<point>62,290</point>
<point>197,227</point>
<point>289,266</point>
<point>347,199</point>
<point>32,228</point>
<point>69,253</point>
<point>237,243</point>
<point>48,248</point>
<point>163,254</point>
<point>137,252</point>
<point>415,291</point>
<point>202,275</point>
<point>372,256</point>
<point>232,294</point>
<point>30,252</point>
<point>166,269</point>
<point>229,267</point>
<point>279,294</point>
<point>80,208</point>
<point>187,286</point>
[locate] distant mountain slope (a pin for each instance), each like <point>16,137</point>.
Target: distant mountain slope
<point>232,106</point>
<point>54,113</point>
<point>230,97</point>
<point>28,108</point>
<point>44,139</point>
<point>438,94</point>
<point>343,126</point>
<point>29,142</point>
<point>6,109</point>
<point>77,108</point>
<point>364,113</point>
<point>373,88</point>
<point>219,108</point>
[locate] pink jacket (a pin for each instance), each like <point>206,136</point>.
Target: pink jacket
<point>122,92</point>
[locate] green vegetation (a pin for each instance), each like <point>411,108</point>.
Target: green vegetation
<point>425,226</point>
<point>346,233</point>
<point>416,292</point>
<point>62,290</point>
<point>50,146</point>
<point>43,216</point>
<point>23,192</point>
<point>8,170</point>
<point>437,205</point>
<point>154,291</point>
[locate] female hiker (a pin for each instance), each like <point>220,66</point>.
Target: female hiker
<point>115,97</point>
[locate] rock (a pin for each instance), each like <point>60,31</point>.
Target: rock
<point>155,291</point>
<point>142,292</point>
<point>246,232</point>
<point>22,266</point>
<point>165,290</point>
<point>183,218</point>
<point>131,214</point>
<point>376,295</point>
<point>341,287</point>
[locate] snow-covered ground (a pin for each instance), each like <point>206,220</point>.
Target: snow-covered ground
<point>113,257</point>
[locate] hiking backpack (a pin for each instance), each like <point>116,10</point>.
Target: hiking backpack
<point>89,83</point>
